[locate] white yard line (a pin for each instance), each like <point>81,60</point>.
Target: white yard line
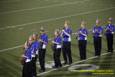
<point>71,64</point>
<point>9,1</point>
<point>52,19</point>
<point>44,7</point>
<point>12,48</point>
<point>15,47</point>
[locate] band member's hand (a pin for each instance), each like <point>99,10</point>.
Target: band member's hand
<point>80,32</point>
<point>83,33</point>
<point>53,42</point>
<point>112,32</point>
<point>40,40</point>
<point>96,30</point>
<point>62,30</point>
<point>100,35</point>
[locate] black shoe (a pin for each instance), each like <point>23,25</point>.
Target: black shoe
<point>98,55</point>
<point>41,70</point>
<point>54,67</point>
<point>65,63</point>
<point>110,51</point>
<point>70,63</point>
<point>34,76</point>
<point>60,65</point>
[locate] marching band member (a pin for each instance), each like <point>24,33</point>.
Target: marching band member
<point>82,40</point>
<point>42,50</point>
<point>97,38</point>
<point>57,45</point>
<point>27,59</point>
<point>110,29</point>
<point>66,48</point>
<point>35,45</point>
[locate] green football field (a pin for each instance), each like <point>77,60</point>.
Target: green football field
<point>21,18</point>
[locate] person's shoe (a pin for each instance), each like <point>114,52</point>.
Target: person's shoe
<point>34,76</point>
<point>41,70</point>
<point>111,52</point>
<point>54,67</point>
<point>59,66</point>
<point>70,63</point>
<point>65,63</point>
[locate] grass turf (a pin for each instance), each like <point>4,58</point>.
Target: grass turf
<point>20,18</point>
